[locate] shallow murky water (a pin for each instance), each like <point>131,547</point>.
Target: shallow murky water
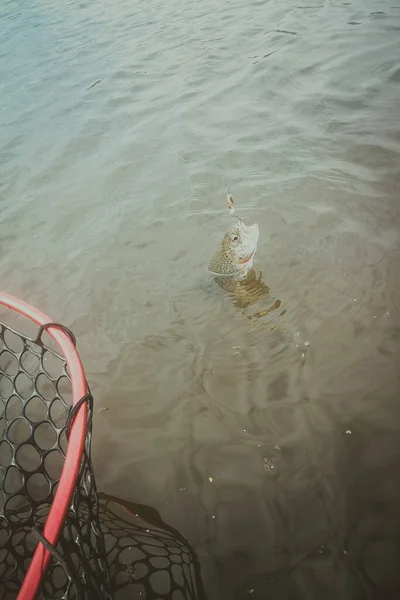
<point>271,442</point>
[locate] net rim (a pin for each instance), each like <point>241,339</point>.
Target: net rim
<point>73,457</point>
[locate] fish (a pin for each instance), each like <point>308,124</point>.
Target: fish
<point>235,255</point>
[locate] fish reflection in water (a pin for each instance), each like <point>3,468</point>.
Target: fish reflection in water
<point>248,291</point>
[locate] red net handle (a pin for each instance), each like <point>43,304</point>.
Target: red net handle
<point>75,446</point>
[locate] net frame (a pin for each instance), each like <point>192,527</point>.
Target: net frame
<point>75,449</point>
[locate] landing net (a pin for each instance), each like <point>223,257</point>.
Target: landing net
<point>60,539</point>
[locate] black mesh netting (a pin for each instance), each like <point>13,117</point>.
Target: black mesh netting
<point>107,549</point>
<point>146,560</point>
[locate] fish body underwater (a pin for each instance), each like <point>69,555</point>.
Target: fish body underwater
<point>235,255</point>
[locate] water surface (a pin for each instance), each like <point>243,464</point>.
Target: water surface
<point>272,444</point>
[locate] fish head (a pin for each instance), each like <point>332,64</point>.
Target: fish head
<point>235,255</point>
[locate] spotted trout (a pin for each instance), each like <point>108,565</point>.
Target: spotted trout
<point>235,255</point>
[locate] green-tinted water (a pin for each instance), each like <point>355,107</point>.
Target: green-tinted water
<point>123,125</point>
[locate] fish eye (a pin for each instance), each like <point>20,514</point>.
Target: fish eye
<point>235,238</point>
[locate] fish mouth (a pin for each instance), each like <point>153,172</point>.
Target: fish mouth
<point>248,259</point>
<point>250,235</point>
<point>250,232</point>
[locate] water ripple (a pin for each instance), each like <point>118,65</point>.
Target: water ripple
<point>123,125</point>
